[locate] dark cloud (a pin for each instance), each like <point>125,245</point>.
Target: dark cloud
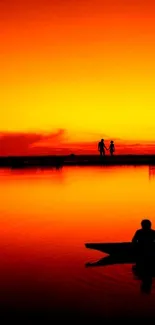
<point>16,144</point>
<point>27,143</point>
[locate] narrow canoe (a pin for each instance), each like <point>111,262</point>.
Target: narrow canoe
<point>125,248</point>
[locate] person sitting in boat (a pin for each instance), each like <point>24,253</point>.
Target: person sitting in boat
<point>144,248</point>
<point>145,237</point>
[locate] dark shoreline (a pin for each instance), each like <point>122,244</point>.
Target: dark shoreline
<point>75,160</point>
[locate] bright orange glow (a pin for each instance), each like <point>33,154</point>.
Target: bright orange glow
<point>86,67</point>
<point>45,219</point>
<point>111,192</point>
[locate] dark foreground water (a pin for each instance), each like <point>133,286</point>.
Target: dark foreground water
<point>46,216</point>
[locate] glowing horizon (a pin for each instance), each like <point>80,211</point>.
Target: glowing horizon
<point>86,67</point>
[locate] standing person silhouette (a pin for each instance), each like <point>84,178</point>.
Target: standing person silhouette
<point>112,148</point>
<point>102,147</point>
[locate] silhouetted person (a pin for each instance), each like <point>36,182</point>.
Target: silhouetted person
<point>144,237</point>
<point>102,147</point>
<point>112,148</point>
<point>144,240</point>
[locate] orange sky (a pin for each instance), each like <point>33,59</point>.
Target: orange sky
<point>84,67</point>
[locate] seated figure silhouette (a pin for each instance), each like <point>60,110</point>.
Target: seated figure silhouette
<point>102,147</point>
<point>145,236</point>
<point>142,256</point>
<point>145,265</point>
<point>112,148</point>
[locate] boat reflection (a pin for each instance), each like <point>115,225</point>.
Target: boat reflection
<point>142,269</point>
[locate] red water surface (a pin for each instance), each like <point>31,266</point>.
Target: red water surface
<point>46,216</point>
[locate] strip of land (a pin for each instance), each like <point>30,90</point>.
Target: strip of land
<point>75,160</point>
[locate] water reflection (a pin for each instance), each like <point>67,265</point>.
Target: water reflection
<point>143,270</point>
<point>151,172</point>
<point>46,216</point>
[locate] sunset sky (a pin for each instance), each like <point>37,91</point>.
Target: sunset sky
<point>73,71</point>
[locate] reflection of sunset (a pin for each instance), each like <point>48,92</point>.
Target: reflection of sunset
<point>84,67</point>
<point>86,204</point>
<point>45,219</point>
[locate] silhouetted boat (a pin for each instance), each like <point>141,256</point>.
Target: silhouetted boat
<point>122,249</point>
<point>112,248</point>
<point>143,261</point>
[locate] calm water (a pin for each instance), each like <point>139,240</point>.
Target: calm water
<point>45,219</point>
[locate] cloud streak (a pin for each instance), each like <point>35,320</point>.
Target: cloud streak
<point>59,142</point>
<point>27,143</point>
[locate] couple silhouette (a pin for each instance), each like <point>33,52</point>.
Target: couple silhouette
<point>102,147</point>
